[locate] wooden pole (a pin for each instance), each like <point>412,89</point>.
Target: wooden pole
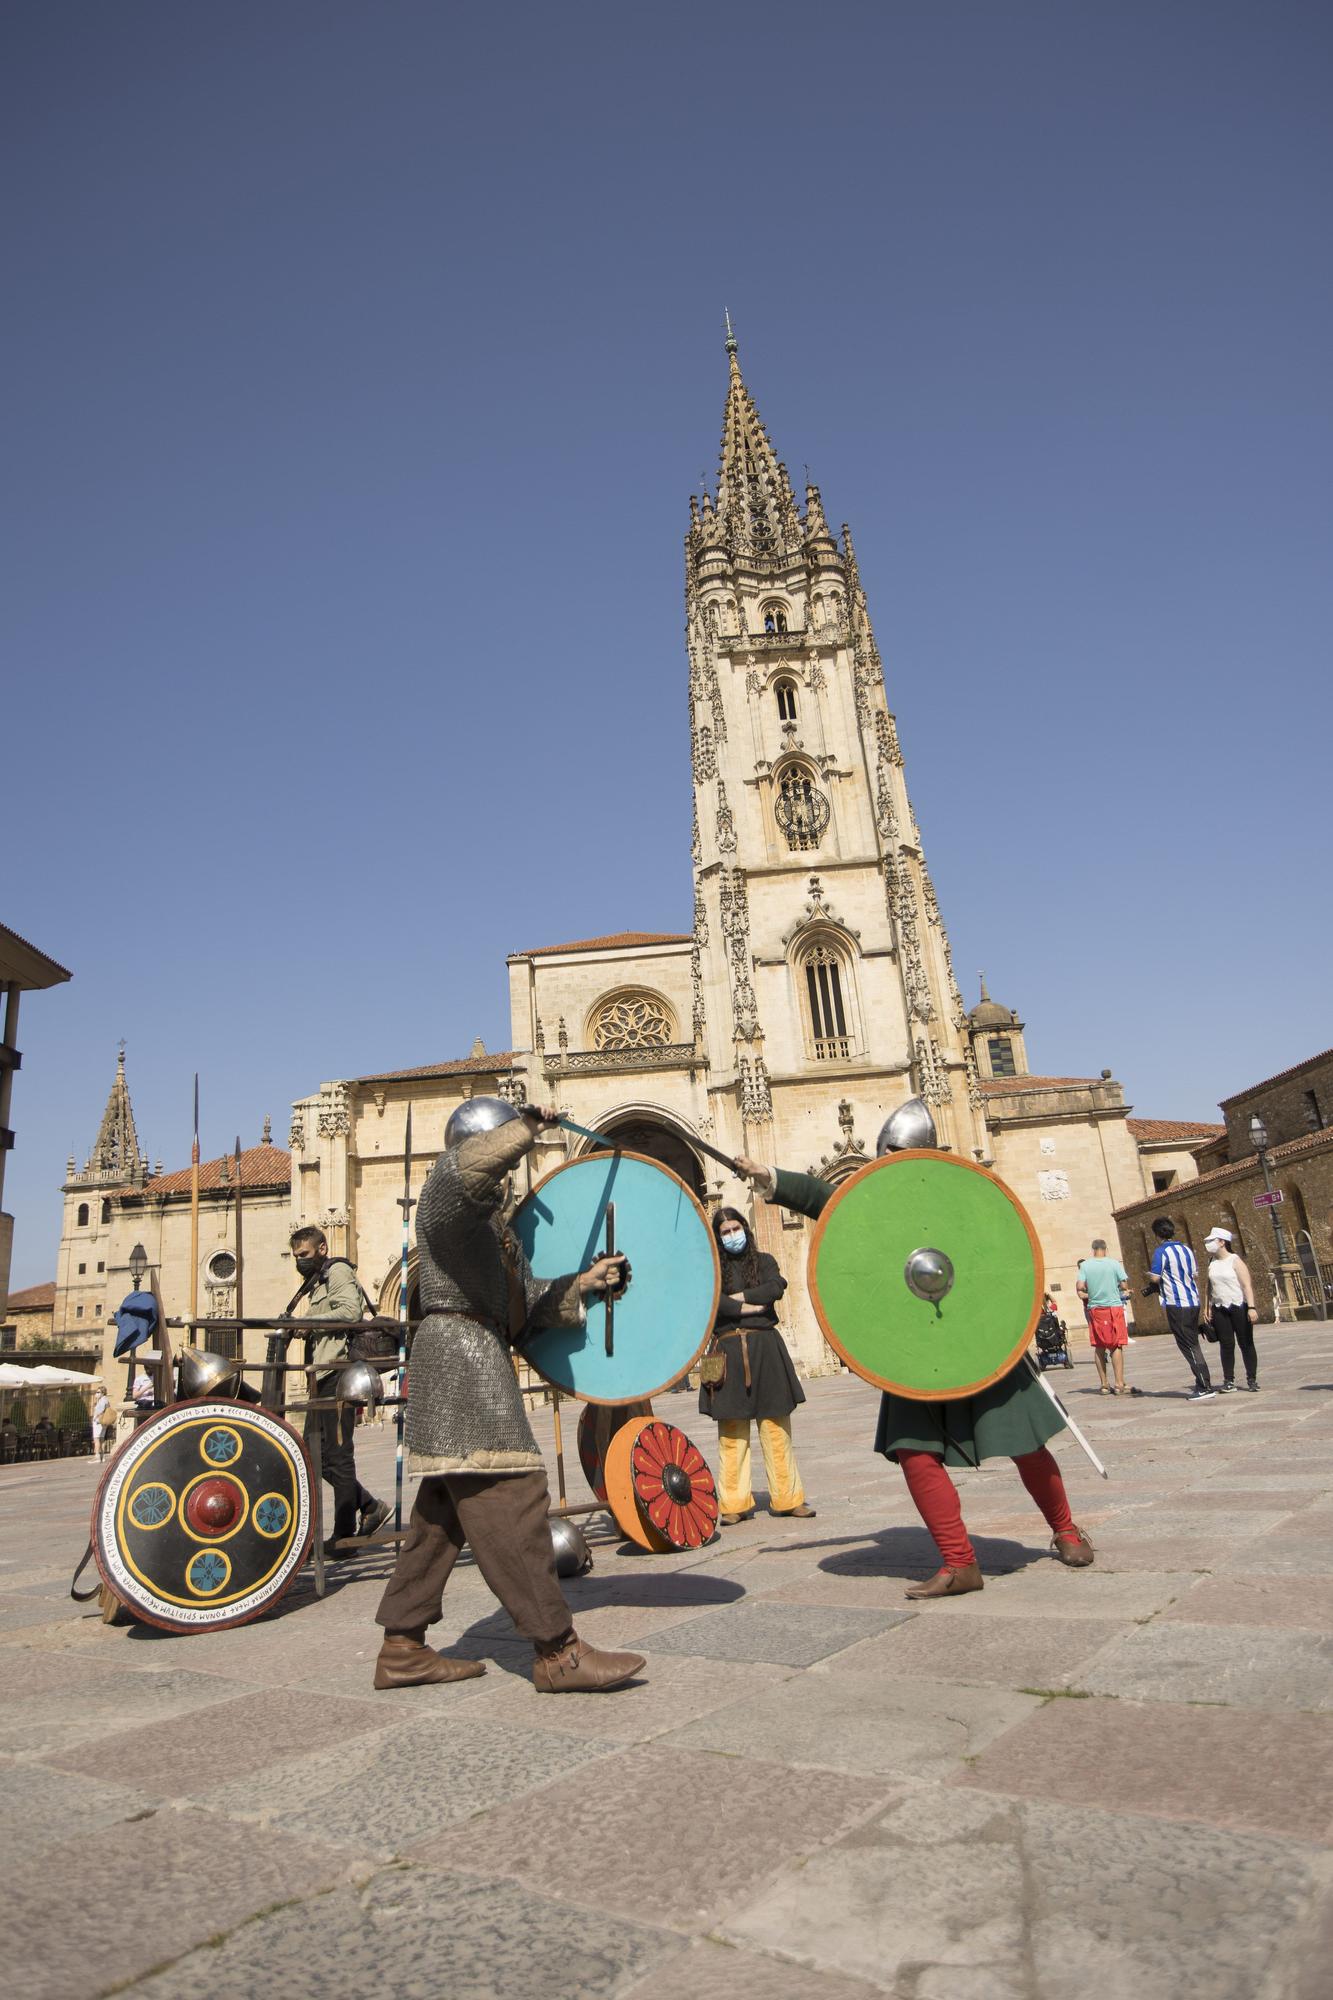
<point>240,1267</point>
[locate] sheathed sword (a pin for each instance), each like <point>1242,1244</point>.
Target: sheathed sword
<point>1074,1430</point>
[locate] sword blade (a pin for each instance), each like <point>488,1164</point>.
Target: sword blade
<point>402,1325</point>
<point>1074,1430</point>
<point>600,1139</point>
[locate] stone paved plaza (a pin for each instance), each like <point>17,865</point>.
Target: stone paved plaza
<point>1115,1782</point>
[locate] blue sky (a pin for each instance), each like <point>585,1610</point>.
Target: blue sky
<point>361,363</point>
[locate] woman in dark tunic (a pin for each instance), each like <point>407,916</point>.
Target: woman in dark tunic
<point>1013,1418</point>
<point>759,1384</point>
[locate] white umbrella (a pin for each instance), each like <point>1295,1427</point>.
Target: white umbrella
<point>46,1377</point>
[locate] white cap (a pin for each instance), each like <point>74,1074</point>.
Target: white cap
<point>1218,1235</point>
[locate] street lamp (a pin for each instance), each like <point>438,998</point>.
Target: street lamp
<point>1259,1140</point>
<point>138,1264</point>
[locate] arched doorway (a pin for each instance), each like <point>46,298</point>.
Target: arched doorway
<point>658,1141</point>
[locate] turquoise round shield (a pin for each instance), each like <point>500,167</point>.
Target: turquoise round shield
<point>659,1326</point>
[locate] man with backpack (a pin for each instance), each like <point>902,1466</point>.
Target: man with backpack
<point>330,1290</point>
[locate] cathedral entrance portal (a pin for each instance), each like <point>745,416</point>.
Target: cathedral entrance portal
<point>658,1142</point>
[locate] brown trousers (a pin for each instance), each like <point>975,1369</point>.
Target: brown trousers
<point>502,1517</point>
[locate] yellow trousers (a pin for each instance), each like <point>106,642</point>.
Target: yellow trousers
<point>734,1493</point>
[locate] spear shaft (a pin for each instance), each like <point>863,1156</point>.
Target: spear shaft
<point>194,1211</point>
<point>407,1204</point>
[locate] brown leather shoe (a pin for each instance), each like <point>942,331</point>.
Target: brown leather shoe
<point>577,1668</point>
<point>1074,1555</point>
<point>950,1583</point>
<point>734,1520</point>
<point>801,1513</point>
<point>406,1662</point>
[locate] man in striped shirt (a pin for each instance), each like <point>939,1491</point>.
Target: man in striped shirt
<point>1175,1275</point>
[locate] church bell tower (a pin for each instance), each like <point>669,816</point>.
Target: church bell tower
<point>822,971</point>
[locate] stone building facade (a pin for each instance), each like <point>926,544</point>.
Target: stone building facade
<point>1288,1247</point>
<point>813,992</point>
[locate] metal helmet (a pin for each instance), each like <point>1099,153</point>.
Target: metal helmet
<point>477,1114</point>
<point>570,1544</point>
<point>358,1383</point>
<point>206,1374</point>
<point>909,1126</point>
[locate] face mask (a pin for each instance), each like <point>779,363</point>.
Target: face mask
<point>307,1266</point>
<point>733,1240</point>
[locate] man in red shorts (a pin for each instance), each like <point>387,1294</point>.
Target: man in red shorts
<point>1103,1286</point>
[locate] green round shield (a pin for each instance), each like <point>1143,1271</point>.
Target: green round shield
<point>926,1275</point>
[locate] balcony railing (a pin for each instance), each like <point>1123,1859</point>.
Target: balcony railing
<point>603,1062</point>
<point>833,1048</point>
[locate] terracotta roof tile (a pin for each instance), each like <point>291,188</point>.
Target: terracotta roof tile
<point>261,1167</point>
<point>1234,1170</point>
<point>618,940</point>
<point>33,1299</point>
<point>494,1063</point>
<point>1149,1130</point>
<point>1282,1077</point>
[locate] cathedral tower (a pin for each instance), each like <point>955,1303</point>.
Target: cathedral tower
<point>822,969</point>
<point>114,1163</point>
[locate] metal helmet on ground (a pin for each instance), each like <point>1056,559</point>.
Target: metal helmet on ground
<point>570,1544</point>
<point>206,1374</point>
<point>358,1383</point>
<point>477,1114</point>
<point>909,1127</point>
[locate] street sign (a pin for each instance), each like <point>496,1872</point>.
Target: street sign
<point>1269,1200</point>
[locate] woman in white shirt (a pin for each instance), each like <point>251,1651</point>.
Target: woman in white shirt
<point>104,1420</point>
<point>1232,1307</point>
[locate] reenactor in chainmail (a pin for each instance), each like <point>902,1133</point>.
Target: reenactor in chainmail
<point>483,1478</point>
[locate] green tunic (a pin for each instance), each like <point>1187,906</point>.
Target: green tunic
<point>1012,1417</point>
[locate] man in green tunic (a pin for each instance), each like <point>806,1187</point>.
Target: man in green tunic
<point>1013,1418</point>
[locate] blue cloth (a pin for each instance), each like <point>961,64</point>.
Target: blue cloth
<point>136,1319</point>
<point>1174,1264</point>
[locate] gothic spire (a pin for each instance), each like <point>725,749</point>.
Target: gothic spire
<point>116,1149</point>
<point>755,502</point>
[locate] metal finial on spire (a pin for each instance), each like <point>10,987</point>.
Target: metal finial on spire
<point>731,338</point>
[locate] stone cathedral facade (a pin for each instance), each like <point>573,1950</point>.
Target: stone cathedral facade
<point>814,992</point>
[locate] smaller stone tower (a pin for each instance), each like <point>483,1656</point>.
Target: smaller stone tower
<point>82,1276</point>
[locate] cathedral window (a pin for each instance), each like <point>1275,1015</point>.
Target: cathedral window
<point>801,809</point>
<point>775,618</point>
<point>81,1219</point>
<point>785,695</point>
<point>82,1269</point>
<point>106,1211</point>
<point>1001,1052</point>
<point>97,1312</point>
<point>823,969</point>
<point>628,1021</point>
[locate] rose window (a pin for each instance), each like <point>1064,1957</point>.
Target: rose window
<point>633,1021</point>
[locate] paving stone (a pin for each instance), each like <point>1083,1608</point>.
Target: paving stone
<point>863,1723</point>
<point>953,1893</point>
<point>1051,1591</point>
<point>1265,1601</point>
<point>788,1635</point>
<point>986,1652</point>
<point>414,1935</point>
<point>1243,1666</point>
<point>185,1877</point>
<point>379,1795</point>
<point>17,1612</point>
<point>1271,1773</point>
<point>226,1737</point>
<point>608,1839</point>
<point>39,1808</point>
<point>877,1592</point>
<point>111,1713</point>
<point>673,1691</point>
<point>707,1970</point>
